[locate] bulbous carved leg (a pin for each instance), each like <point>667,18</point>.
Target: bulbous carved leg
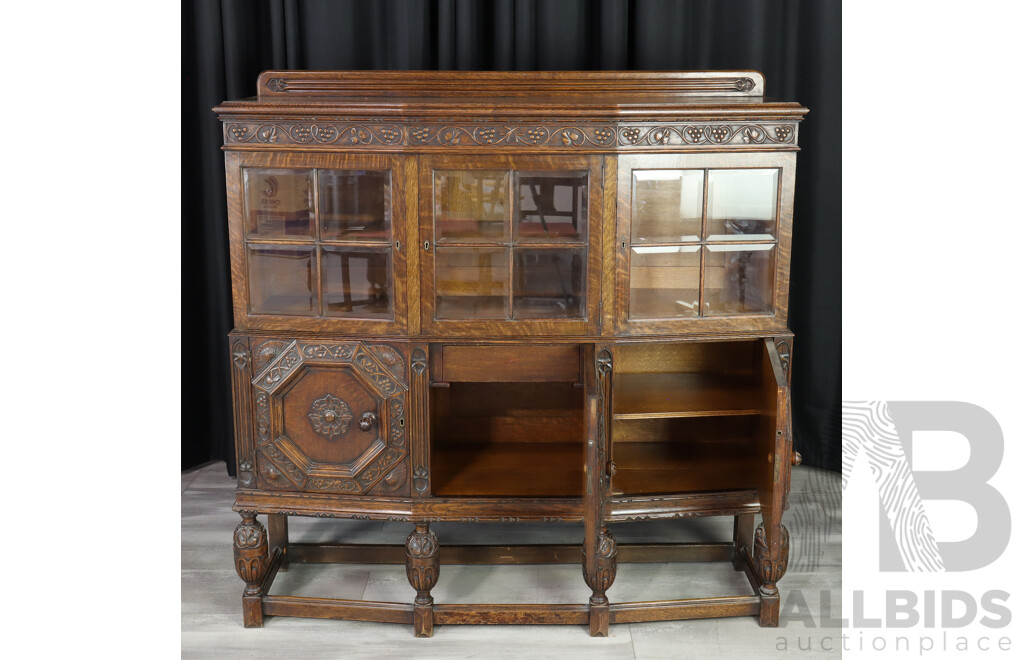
<point>600,580</point>
<point>251,561</point>
<point>422,566</point>
<point>770,558</point>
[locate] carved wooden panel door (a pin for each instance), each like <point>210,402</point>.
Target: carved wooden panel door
<point>330,417</point>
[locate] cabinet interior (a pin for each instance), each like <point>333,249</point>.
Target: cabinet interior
<point>686,417</point>
<point>515,439</point>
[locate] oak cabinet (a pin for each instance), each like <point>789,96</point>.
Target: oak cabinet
<point>556,297</point>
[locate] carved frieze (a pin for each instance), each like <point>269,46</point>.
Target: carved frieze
<point>559,135</point>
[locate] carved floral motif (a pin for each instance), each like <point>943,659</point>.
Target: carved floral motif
<point>240,355</point>
<point>391,358</point>
<point>607,567</point>
<point>329,416</point>
<point>785,351</point>
<point>769,566</point>
<point>267,351</point>
<point>245,472</point>
<point>422,562</point>
<point>250,550</point>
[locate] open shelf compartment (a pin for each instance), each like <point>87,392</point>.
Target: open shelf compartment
<point>493,437</point>
<point>691,417</point>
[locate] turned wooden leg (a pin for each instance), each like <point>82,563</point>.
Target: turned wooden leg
<point>742,539</point>
<point>422,566</point>
<point>251,561</point>
<point>599,579</point>
<point>770,558</point>
<point>277,536</point>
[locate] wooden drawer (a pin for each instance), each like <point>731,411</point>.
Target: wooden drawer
<point>510,363</point>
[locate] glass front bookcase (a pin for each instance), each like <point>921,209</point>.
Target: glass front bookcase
<point>699,239</point>
<point>508,244</point>
<point>321,242</point>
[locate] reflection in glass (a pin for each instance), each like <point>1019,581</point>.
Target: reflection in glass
<point>738,279</point>
<point>741,204</point>
<point>664,282</point>
<point>281,280</point>
<point>471,282</point>
<point>355,204</point>
<point>549,283</point>
<point>667,205</point>
<point>552,207</point>
<point>471,205</point>
<point>357,282</point>
<point>279,203</point>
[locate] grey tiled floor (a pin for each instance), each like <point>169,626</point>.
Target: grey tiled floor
<point>211,610</point>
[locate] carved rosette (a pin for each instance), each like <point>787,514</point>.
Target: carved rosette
<point>770,567</point>
<point>607,567</point>
<point>251,552</point>
<point>422,562</point>
<point>329,416</point>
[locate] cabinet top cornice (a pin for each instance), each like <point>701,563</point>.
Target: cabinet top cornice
<point>483,95</point>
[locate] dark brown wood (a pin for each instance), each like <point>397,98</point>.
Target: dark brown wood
<point>277,536</point>
<point>553,613</point>
<point>251,563</point>
<point>742,538</point>
<point>332,608</point>
<point>422,566</point>
<point>357,394</point>
<point>241,394</point>
<point>370,553</point>
<point>470,84</point>
<point>692,608</point>
<point>511,363</point>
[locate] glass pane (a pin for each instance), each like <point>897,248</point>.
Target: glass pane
<point>471,206</point>
<point>280,203</point>
<point>741,204</point>
<point>472,283</point>
<point>355,204</point>
<point>664,282</point>
<point>281,279</point>
<point>549,283</point>
<point>552,207</point>
<point>357,282</point>
<point>738,279</point>
<point>667,205</point>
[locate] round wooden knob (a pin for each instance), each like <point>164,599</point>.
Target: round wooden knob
<point>797,458</point>
<point>367,420</point>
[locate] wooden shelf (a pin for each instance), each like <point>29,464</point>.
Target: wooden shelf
<point>508,469</point>
<point>647,468</point>
<point>646,396</point>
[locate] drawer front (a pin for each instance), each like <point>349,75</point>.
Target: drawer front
<point>330,417</point>
<point>510,363</point>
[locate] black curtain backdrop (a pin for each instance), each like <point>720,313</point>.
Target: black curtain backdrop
<point>227,43</point>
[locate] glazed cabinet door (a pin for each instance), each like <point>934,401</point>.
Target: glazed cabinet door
<point>510,245</point>
<point>317,242</point>
<point>330,416</point>
<point>703,242</point>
